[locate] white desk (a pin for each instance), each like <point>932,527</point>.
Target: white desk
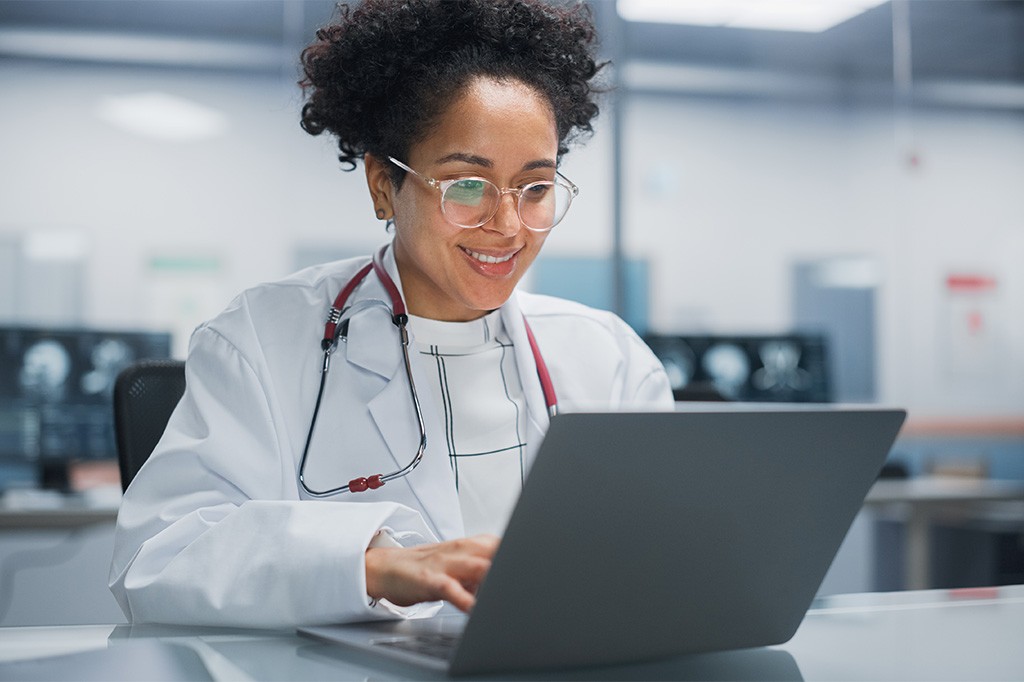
<point>69,512</point>
<point>54,557</point>
<point>920,502</point>
<point>929,635</point>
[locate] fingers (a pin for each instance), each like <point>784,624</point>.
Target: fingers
<point>468,570</point>
<point>453,592</point>
<point>491,542</point>
<point>450,571</point>
<point>482,546</point>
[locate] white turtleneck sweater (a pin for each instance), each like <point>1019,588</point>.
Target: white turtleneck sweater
<point>475,381</point>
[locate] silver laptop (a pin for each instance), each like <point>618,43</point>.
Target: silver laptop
<point>647,535</point>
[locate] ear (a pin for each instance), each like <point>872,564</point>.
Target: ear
<point>379,183</point>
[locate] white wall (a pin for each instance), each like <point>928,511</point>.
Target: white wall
<point>725,196</point>
<point>721,196</point>
<point>242,199</point>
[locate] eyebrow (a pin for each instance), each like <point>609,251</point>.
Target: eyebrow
<point>487,163</point>
<point>539,163</point>
<point>466,158</point>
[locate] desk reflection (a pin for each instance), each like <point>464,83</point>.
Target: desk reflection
<point>760,664</point>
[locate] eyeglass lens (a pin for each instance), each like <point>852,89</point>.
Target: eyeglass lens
<point>473,201</point>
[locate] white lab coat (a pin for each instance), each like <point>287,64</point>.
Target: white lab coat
<point>215,528</point>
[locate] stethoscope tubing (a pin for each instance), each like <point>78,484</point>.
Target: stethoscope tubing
<point>337,326</point>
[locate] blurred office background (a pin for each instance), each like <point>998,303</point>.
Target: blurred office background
<point>843,175</point>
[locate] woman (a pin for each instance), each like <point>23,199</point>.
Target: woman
<point>248,513</point>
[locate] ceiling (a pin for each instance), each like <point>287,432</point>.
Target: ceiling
<point>975,41</point>
<point>950,39</point>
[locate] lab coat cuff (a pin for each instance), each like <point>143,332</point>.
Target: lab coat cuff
<point>386,537</point>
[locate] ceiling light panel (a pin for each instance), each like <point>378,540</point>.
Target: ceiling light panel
<point>162,116</point>
<point>811,16</point>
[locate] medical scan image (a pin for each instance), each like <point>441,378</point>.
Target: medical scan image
<point>108,357</point>
<point>781,371</point>
<point>751,368</point>
<point>728,367</point>
<point>45,368</point>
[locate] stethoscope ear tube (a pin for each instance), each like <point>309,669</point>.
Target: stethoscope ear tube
<point>404,334</point>
<point>362,484</point>
<point>546,385</point>
<point>312,425</point>
<point>334,314</point>
<point>336,327</point>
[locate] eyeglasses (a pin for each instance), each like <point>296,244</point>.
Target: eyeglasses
<point>471,202</point>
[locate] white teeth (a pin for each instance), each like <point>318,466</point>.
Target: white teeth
<point>483,258</point>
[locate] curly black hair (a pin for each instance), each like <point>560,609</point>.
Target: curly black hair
<point>380,76</point>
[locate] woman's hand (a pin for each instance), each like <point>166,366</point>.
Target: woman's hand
<point>451,571</point>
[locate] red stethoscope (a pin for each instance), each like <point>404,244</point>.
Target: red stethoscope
<point>337,327</point>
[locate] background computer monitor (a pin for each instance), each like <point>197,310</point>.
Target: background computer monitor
<point>56,391</point>
<point>753,368</point>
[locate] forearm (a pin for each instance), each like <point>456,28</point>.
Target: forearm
<point>264,564</point>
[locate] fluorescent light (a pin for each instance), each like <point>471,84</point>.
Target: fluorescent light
<point>118,48</point>
<point>812,16</point>
<point>163,116</point>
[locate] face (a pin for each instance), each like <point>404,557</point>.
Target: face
<point>499,130</point>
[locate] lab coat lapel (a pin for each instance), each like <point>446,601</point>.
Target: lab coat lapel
<point>536,408</point>
<point>373,344</point>
<point>432,481</point>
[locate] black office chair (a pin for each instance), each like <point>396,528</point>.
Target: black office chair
<point>145,394</point>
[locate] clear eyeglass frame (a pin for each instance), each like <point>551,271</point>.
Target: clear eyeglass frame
<point>443,186</point>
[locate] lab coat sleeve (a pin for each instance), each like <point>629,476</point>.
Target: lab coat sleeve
<point>596,360</point>
<point>646,384</point>
<point>211,531</point>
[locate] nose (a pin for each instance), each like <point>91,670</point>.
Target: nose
<point>506,218</point>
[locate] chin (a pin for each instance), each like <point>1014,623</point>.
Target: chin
<point>489,303</point>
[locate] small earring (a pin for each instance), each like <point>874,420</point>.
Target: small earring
<point>380,214</point>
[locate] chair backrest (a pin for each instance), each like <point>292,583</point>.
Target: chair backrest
<point>145,394</point>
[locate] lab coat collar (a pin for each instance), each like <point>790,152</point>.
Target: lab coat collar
<point>363,346</point>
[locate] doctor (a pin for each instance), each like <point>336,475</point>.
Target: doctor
<point>252,511</point>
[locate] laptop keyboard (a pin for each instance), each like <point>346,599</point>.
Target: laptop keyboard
<point>436,644</point>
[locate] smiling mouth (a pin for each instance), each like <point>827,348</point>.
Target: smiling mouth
<point>484,258</point>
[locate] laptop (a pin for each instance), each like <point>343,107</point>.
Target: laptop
<point>641,536</point>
